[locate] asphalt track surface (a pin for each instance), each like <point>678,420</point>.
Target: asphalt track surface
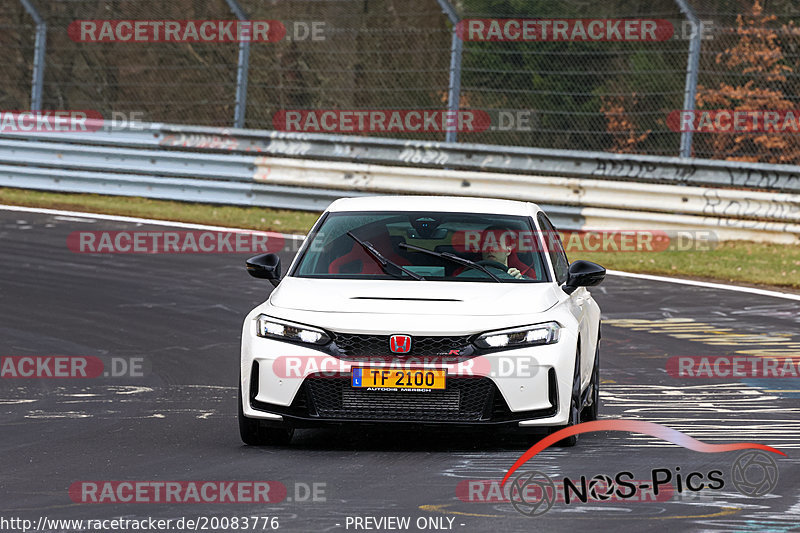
<point>182,314</point>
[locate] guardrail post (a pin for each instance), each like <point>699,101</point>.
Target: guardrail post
<point>456,48</point>
<point>242,69</point>
<point>692,68</point>
<point>40,45</point>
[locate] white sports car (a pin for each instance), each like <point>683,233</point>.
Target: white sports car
<point>426,311</point>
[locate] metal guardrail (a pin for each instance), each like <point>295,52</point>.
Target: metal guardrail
<point>463,156</point>
<point>748,207</point>
<point>253,168</point>
<point>248,194</point>
<point>127,160</point>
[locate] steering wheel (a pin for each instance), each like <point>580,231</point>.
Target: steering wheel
<point>493,264</point>
<point>499,266</point>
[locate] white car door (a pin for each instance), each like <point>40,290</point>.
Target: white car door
<point>579,301</point>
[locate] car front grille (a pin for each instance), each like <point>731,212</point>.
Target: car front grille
<point>466,399</point>
<point>351,345</point>
<point>323,397</point>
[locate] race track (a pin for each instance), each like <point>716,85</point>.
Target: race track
<point>182,314</point>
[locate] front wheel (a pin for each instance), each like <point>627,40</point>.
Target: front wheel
<point>255,433</point>
<point>574,406</point>
<point>589,413</point>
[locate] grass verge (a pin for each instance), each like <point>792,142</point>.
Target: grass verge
<point>744,263</point>
<point>739,262</point>
<point>260,218</point>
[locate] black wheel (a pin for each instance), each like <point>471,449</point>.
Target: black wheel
<point>255,433</point>
<point>574,405</point>
<point>589,413</point>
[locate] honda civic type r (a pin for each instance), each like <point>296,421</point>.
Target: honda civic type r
<point>422,311</point>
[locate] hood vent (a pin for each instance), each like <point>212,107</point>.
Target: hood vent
<point>406,299</point>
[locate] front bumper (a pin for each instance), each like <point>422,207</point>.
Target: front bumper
<point>305,387</point>
<point>329,399</point>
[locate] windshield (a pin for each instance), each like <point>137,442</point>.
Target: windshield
<point>451,247</point>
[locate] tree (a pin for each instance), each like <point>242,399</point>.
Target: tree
<point>621,126</point>
<point>758,61</point>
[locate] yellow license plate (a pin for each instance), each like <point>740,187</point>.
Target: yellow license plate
<point>397,378</point>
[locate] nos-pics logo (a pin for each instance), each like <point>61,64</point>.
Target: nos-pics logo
<point>754,473</point>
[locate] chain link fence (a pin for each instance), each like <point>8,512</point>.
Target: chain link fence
<point>609,95</point>
<point>750,61</point>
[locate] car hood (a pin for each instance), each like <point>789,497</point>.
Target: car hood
<point>414,297</point>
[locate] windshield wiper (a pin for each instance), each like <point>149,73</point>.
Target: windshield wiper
<point>389,267</point>
<point>452,257</point>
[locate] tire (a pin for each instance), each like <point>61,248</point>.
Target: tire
<point>254,433</point>
<point>574,406</point>
<point>589,413</point>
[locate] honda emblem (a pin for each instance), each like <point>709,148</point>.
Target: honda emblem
<point>400,343</point>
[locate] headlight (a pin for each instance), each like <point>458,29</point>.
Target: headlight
<point>537,334</point>
<point>281,329</point>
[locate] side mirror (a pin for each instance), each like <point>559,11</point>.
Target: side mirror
<point>583,274</point>
<point>265,266</point>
